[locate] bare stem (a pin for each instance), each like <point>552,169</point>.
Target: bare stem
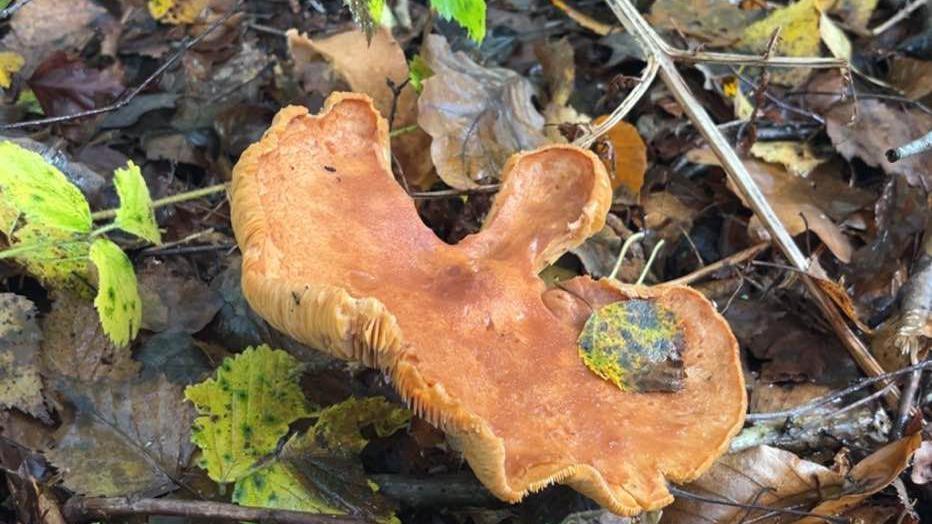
<point>729,261</point>
<point>173,199</point>
<point>898,17</point>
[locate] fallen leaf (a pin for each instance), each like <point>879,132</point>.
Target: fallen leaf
<point>245,410</point>
<point>762,475</point>
<point>476,116</point>
<point>630,154</point>
<point>20,382</point>
<point>713,22</point>
<point>869,476</point>
<point>367,66</point>
<point>176,11</point>
<point>10,64</point>
<point>75,346</point>
<point>64,85</point>
<point>175,355</point>
<point>855,13</point>
<point>878,127</point>
<point>599,252</point>
<point>280,486</point>
<point>41,27</point>
<point>129,438</point>
<point>173,302</point>
<point>922,464</point>
<point>135,214</point>
<point>61,260</point>
<point>911,76</point>
<point>117,301</point>
<point>559,71</point>
<point>834,38</point>
<point>799,36</point>
<point>797,157</point>
<point>469,14</point>
<point>801,204</point>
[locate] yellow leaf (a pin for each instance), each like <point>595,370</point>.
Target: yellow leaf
<point>10,63</point>
<point>799,35</point>
<point>176,11</point>
<point>834,38</point>
<point>798,157</point>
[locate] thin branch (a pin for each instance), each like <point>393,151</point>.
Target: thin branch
<point>738,173</point>
<point>173,199</point>
<point>128,97</point>
<point>454,193</point>
<point>898,17</point>
<point>80,509</point>
<point>729,261</point>
<point>679,492</point>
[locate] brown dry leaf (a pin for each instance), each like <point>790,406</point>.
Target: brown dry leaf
<point>763,475</point>
<point>20,382</point>
<point>797,157</point>
<point>171,302</point>
<point>599,252</point>
<point>366,66</point>
<point>559,71</point>
<point>667,215</point>
<point>880,126</point>
<point>75,346</point>
<point>43,26</point>
<point>801,203</point>
<point>713,22</point>
<point>128,438</point>
<point>911,76</point>
<point>476,116</point>
<point>869,476</point>
<point>843,300</point>
<point>630,156</point>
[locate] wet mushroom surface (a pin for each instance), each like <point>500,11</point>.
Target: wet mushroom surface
<point>335,255</point>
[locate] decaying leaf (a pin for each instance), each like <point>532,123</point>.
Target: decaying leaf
<point>834,38</point>
<point>922,464</point>
<point>20,382</point>
<point>799,36</point>
<point>135,213</point>
<point>65,84</point>
<point>245,410</point>
<point>880,126</point>
<point>60,262</point>
<point>802,204</point>
<point>630,153</point>
<point>75,346</point>
<point>714,22</point>
<point>319,471</point>
<point>176,11</point>
<point>172,302</point>
<point>797,157</point>
<point>855,13</point>
<point>911,76</point>
<point>117,299</point>
<point>128,438</point>
<point>10,63</point>
<point>367,65</point>
<point>559,71</point>
<point>476,116</point>
<point>40,191</point>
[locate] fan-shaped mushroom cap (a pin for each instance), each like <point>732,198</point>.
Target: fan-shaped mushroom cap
<point>335,255</point>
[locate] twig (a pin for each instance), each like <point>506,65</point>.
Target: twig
<point>835,395</point>
<point>737,172</point>
<point>454,193</point>
<point>8,12</point>
<point>919,145</point>
<point>729,261</point>
<point>679,492</point>
<point>127,97</point>
<point>899,16</point>
<point>80,509</point>
<point>173,199</point>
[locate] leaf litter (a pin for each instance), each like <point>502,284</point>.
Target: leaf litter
<point>815,144</point>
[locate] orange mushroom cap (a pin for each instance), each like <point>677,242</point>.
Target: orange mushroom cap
<point>335,255</point>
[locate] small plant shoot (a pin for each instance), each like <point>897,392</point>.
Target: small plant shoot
<point>117,300</point>
<point>135,212</point>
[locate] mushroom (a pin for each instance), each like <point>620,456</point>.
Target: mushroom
<point>335,255</point>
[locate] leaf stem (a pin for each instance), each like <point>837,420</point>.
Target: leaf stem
<point>169,200</point>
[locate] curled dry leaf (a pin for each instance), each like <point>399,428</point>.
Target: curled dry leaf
<point>128,438</point>
<point>367,66</point>
<point>630,156</point>
<point>880,126</point>
<point>476,116</point>
<point>172,302</point>
<point>911,76</point>
<point>800,203</point>
<point>20,382</point>
<point>556,59</point>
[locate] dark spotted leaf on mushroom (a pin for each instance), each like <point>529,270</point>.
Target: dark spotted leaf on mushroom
<point>335,255</point>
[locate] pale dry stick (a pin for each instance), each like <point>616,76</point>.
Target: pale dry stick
<point>898,17</point>
<point>632,20</point>
<point>728,261</point>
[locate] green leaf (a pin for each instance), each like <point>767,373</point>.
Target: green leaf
<point>245,410</point>
<point>366,14</point>
<point>636,344</point>
<point>338,426</point>
<point>59,260</point>
<point>418,71</point>
<point>279,486</point>
<point>469,14</point>
<point>40,191</point>
<point>117,300</point>
<point>135,213</point>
